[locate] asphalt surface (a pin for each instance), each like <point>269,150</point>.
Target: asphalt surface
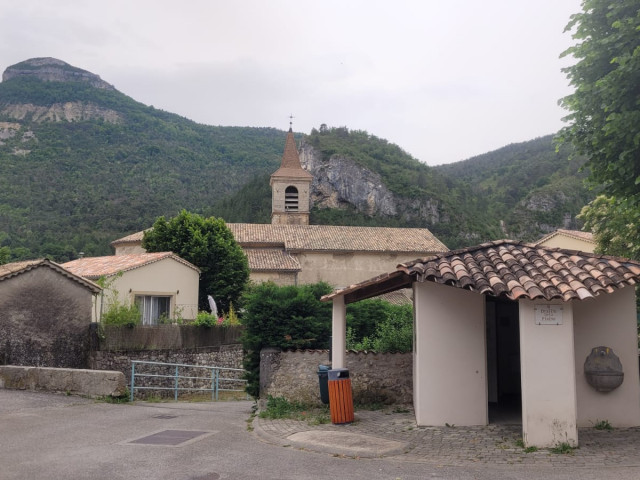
<point>48,436</point>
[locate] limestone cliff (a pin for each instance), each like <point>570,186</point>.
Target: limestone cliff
<point>53,70</point>
<point>50,69</point>
<point>340,182</point>
<point>60,112</point>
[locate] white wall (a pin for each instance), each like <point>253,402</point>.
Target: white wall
<point>165,277</point>
<point>279,278</point>
<point>610,321</point>
<point>450,382</point>
<point>345,269</point>
<point>548,378</point>
<point>128,248</point>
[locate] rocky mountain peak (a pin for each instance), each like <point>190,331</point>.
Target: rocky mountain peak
<point>50,69</point>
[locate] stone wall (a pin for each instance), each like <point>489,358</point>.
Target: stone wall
<point>44,320</point>
<point>375,377</point>
<point>227,356</point>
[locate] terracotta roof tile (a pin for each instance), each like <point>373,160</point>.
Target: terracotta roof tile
<point>399,297</point>
<point>517,270</point>
<point>9,269</point>
<point>267,259</point>
<point>336,238</point>
<point>327,238</point>
<point>96,267</point>
<point>133,238</point>
<point>290,166</point>
<point>13,269</point>
<point>509,269</point>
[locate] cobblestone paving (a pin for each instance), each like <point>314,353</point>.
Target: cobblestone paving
<point>493,444</point>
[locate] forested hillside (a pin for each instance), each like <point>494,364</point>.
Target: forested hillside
<point>77,183</point>
<point>521,191</point>
<point>82,164</point>
<point>529,186</point>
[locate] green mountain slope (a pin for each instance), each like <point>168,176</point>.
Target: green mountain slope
<point>521,191</point>
<point>71,186</point>
<point>82,164</point>
<point>529,187</point>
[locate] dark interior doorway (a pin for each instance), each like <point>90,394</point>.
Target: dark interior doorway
<point>503,361</point>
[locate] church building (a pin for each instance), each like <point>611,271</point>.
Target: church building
<point>289,251</point>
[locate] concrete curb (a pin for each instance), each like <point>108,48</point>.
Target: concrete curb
<point>337,443</point>
<point>89,383</point>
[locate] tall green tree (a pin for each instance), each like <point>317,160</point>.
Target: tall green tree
<point>614,225</point>
<point>5,254</point>
<point>208,244</point>
<point>285,317</point>
<point>604,118</point>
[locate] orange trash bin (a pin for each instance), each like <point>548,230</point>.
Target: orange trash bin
<point>340,396</point>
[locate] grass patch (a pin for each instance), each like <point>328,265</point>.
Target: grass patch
<point>279,407</point>
<point>124,398</point>
<point>225,396</point>
<point>401,410</point>
<point>602,425</point>
<point>190,396</point>
<point>371,406</point>
<point>562,449</point>
<point>254,410</point>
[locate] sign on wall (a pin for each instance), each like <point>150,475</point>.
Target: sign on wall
<point>548,314</point>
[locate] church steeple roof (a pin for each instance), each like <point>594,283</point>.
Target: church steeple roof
<point>290,166</point>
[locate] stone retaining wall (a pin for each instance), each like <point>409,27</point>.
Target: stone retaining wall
<point>90,383</point>
<point>228,356</point>
<point>375,377</point>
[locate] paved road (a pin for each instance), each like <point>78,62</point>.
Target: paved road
<point>46,436</point>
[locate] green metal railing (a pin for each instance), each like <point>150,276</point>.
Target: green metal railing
<point>217,382</point>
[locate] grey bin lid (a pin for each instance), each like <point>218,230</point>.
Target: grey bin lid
<point>338,374</point>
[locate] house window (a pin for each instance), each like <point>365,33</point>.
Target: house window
<point>153,307</point>
<point>291,199</point>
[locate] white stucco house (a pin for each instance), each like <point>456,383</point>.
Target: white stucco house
<point>506,320</point>
<point>161,284</point>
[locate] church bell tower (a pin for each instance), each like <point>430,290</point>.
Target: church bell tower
<point>290,188</point>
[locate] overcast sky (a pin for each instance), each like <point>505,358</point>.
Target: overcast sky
<point>445,80</point>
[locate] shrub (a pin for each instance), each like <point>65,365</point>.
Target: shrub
<point>205,319</point>
<point>393,332</point>
<point>285,317</point>
<point>364,316</point>
<point>122,315</point>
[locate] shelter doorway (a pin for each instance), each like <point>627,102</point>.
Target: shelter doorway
<point>503,361</point>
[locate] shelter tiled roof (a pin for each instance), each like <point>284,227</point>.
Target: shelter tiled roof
<point>290,166</point>
<point>509,269</point>
<point>10,270</point>
<point>271,259</point>
<point>96,267</point>
<point>579,234</point>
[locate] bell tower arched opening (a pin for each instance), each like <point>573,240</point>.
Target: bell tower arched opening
<point>291,199</point>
